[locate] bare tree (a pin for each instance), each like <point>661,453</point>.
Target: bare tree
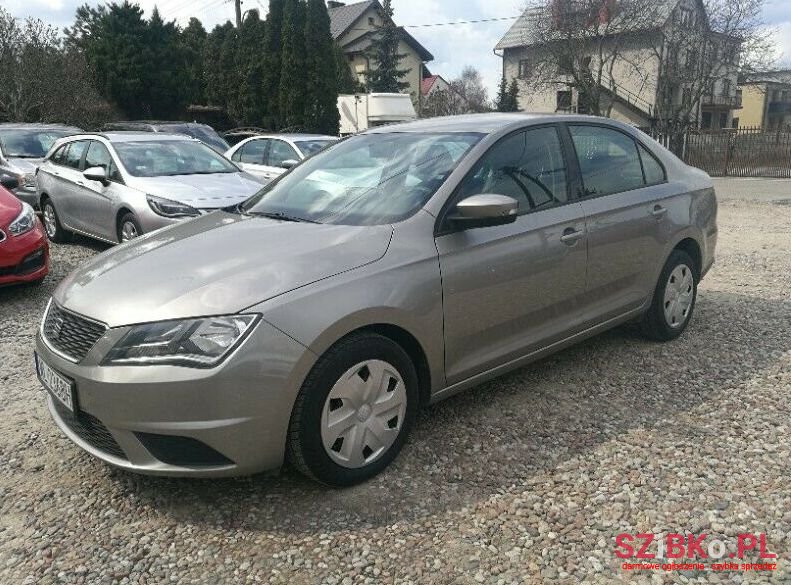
<point>469,86</point>
<point>42,80</point>
<point>661,58</point>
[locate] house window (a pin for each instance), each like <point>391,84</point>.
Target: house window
<point>705,123</point>
<point>726,87</point>
<point>735,123</point>
<point>692,59</point>
<point>563,100</point>
<point>371,20</point>
<point>687,17</point>
<point>524,68</point>
<point>724,120</point>
<point>686,96</point>
<point>565,65</point>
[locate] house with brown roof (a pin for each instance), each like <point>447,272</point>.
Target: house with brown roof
<point>353,26</point>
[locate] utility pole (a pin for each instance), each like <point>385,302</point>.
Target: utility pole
<point>238,5</point>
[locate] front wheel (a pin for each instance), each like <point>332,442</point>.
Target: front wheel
<point>128,228</point>
<point>354,411</point>
<point>674,299</point>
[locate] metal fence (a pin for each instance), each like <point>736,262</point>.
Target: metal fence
<point>742,152</point>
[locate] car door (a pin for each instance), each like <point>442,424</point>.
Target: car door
<point>278,153</point>
<point>95,206</point>
<point>623,188</point>
<point>251,156</point>
<point>70,182</point>
<point>513,289</point>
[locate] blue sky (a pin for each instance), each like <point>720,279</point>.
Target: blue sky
<point>453,46</point>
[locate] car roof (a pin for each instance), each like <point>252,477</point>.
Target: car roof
<point>38,125</point>
<point>153,123</point>
<point>481,123</point>
<point>132,136</point>
<point>297,136</point>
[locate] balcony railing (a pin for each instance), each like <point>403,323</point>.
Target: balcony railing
<point>729,101</point>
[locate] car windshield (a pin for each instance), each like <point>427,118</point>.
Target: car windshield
<point>30,143</point>
<point>205,134</point>
<point>369,179</point>
<point>308,147</point>
<point>167,158</point>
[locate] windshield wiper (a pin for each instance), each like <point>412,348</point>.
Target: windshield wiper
<point>279,215</point>
<point>13,155</point>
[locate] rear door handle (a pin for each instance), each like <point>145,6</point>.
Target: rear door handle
<point>570,236</point>
<point>658,211</point>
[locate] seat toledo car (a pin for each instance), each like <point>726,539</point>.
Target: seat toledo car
<point>394,269</point>
<point>116,186</point>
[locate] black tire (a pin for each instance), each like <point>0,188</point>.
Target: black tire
<point>305,448</point>
<point>655,325</point>
<point>56,233</point>
<point>128,218</point>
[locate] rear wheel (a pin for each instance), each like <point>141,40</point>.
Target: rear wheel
<point>674,299</point>
<point>52,226</point>
<point>354,411</point>
<point>128,228</point>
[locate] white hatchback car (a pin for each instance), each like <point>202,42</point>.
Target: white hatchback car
<point>268,156</point>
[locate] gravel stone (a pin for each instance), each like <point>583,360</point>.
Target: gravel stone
<point>526,479</point>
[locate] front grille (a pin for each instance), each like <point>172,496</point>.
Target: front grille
<point>90,429</point>
<point>71,334</point>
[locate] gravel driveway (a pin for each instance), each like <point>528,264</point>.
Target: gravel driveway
<point>527,479</point>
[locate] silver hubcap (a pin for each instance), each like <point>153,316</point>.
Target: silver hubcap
<point>679,294</point>
<point>50,223</point>
<point>363,413</point>
<point>128,231</point>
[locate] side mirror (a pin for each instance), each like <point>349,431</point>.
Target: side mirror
<point>484,211</point>
<point>288,163</point>
<point>95,174</point>
<point>10,182</point>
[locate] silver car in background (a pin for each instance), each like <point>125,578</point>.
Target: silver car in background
<point>392,270</point>
<point>117,186</point>
<point>22,149</point>
<point>270,155</point>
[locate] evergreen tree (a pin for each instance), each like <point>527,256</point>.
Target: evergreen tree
<point>229,78</point>
<point>251,65</point>
<point>213,75</point>
<point>347,82</point>
<point>272,62</point>
<point>385,76</point>
<point>292,72</point>
<point>165,93</point>
<point>321,83</point>
<point>513,96</point>
<point>193,40</point>
<point>501,102</point>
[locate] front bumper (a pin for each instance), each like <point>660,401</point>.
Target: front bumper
<point>24,258</point>
<point>170,420</point>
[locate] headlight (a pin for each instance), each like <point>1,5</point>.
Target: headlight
<point>168,208</point>
<point>24,222</point>
<point>28,180</point>
<point>197,343</point>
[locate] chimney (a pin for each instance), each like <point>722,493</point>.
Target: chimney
<point>332,4</point>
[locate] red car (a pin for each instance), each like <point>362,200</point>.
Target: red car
<point>24,250</point>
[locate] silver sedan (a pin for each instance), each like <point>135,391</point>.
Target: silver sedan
<point>392,270</point>
<point>117,186</point>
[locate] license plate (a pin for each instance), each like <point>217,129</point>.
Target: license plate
<point>61,388</point>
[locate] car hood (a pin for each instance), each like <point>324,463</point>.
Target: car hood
<point>220,263</point>
<point>25,165</point>
<point>202,191</point>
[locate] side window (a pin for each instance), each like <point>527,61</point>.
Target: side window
<point>280,151</point>
<point>59,156</point>
<point>654,173</point>
<point>74,155</point>
<point>99,156</point>
<point>608,160</point>
<point>527,166</point>
<point>252,152</point>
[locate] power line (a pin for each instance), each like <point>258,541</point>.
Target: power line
<point>458,22</point>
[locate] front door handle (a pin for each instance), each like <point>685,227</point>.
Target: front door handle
<point>570,236</point>
<point>658,211</point>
